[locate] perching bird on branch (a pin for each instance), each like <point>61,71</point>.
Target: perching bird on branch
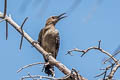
<point>49,40</point>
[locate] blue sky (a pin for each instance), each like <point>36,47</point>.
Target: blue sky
<point>88,22</point>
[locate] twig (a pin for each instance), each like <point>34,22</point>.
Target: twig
<point>21,42</point>
<point>22,32</point>
<point>105,72</point>
<point>112,55</point>
<point>113,67</point>
<point>51,60</point>
<point>30,76</point>
<point>6,30</point>
<point>76,49</point>
<point>99,43</point>
<point>111,73</point>
<point>100,74</point>
<point>5,8</point>
<point>105,75</point>
<point>38,76</point>
<point>110,76</point>
<point>95,48</point>
<point>29,65</point>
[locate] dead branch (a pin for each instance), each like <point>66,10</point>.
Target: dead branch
<point>51,60</point>
<point>93,48</point>
<point>5,8</point>
<point>22,32</point>
<point>112,55</point>
<point>5,11</point>
<point>113,67</point>
<point>105,71</point>
<point>71,76</point>
<point>29,65</point>
<point>6,30</point>
<point>110,76</point>
<point>37,76</point>
<point>30,76</point>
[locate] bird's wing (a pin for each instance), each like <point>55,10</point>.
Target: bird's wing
<point>57,43</point>
<point>40,37</point>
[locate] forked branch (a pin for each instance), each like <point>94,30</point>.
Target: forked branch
<point>51,60</point>
<point>94,48</point>
<point>114,67</point>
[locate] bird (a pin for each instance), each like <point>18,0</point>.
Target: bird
<point>49,40</point>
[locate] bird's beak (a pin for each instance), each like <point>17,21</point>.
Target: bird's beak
<point>61,16</point>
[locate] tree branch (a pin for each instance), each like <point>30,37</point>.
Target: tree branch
<point>51,60</point>
<point>5,8</point>
<point>95,48</point>
<point>39,77</point>
<point>6,30</point>
<point>110,76</point>
<point>113,67</point>
<point>29,65</point>
<point>22,32</point>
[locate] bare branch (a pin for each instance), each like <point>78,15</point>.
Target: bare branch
<point>110,76</point>
<point>95,48</point>
<point>112,55</point>
<point>6,30</point>
<point>37,76</point>
<point>113,67</point>
<point>30,76</point>
<point>99,43</point>
<point>63,68</point>
<point>24,22</point>
<point>5,8</point>
<point>51,60</point>
<point>21,42</point>
<point>105,72</point>
<point>29,65</point>
<point>100,74</point>
<point>22,32</point>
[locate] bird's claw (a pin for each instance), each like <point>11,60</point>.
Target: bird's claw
<point>53,73</point>
<point>35,42</point>
<point>47,56</point>
<point>44,66</point>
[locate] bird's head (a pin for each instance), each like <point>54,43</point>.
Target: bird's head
<point>54,19</point>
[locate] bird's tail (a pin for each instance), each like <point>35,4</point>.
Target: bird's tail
<point>49,69</point>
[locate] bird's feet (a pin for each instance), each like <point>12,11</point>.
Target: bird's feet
<point>34,42</point>
<point>52,72</point>
<point>47,56</point>
<point>44,66</point>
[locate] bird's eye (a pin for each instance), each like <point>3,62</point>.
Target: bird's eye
<point>53,17</point>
